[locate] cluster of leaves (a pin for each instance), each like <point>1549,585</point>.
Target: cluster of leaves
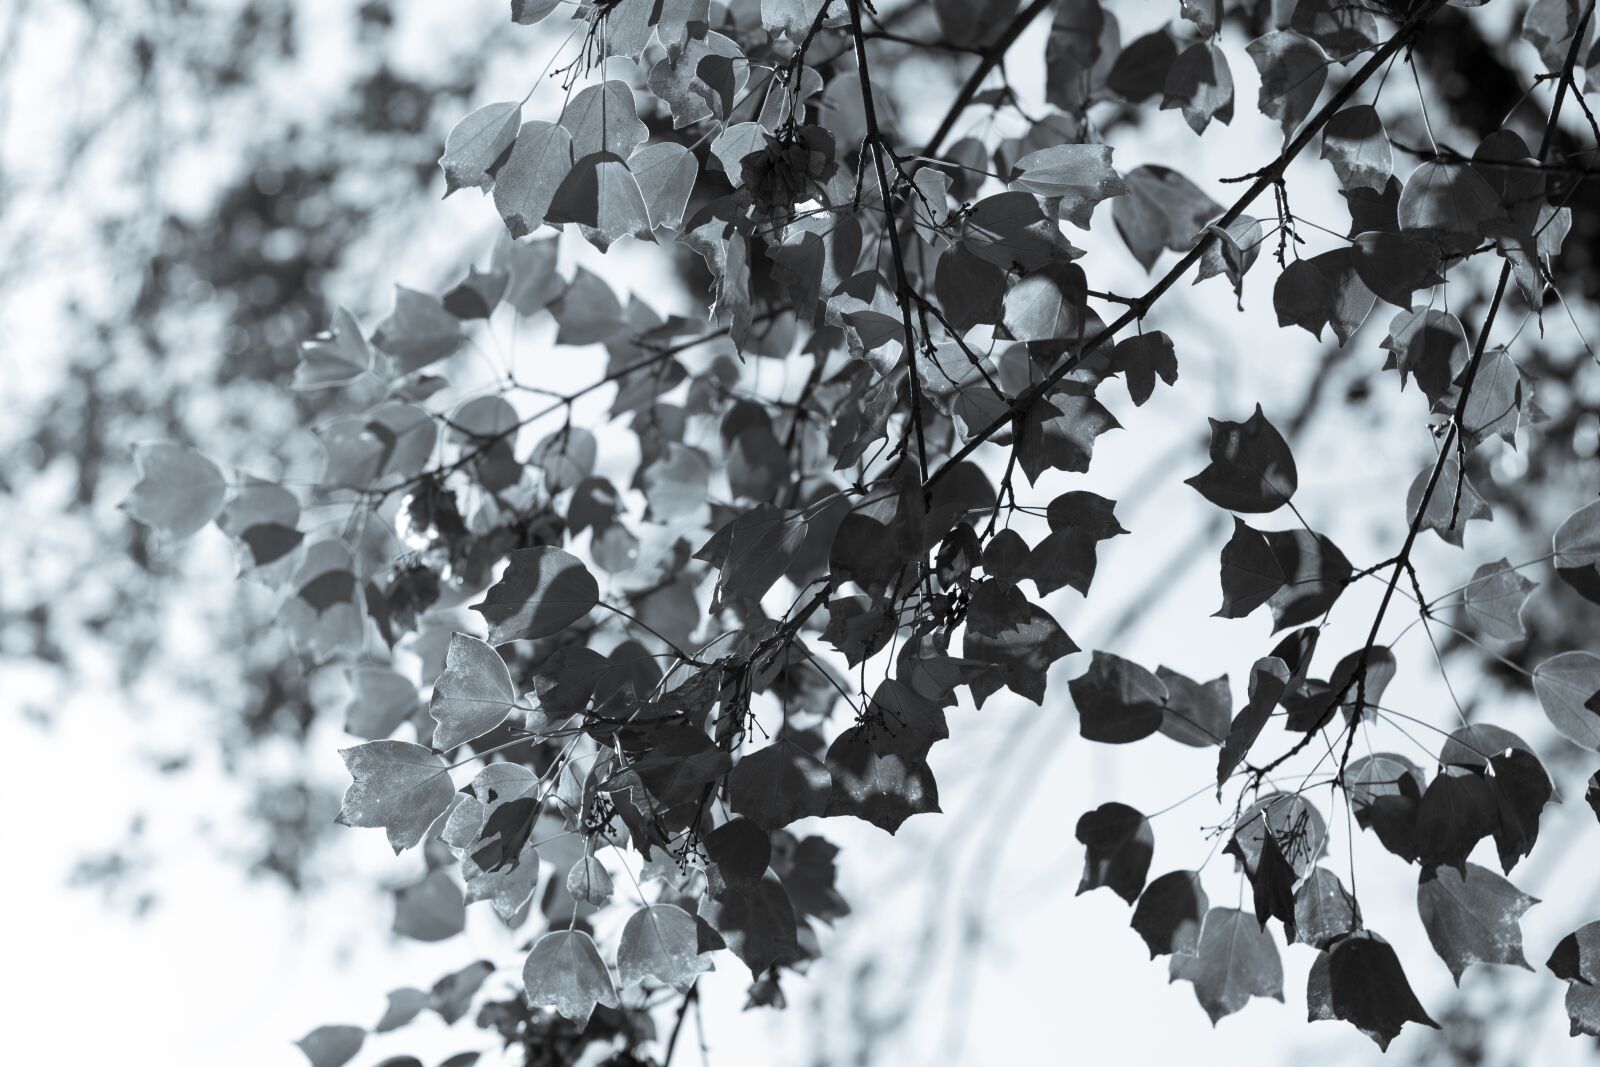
<point>940,307</point>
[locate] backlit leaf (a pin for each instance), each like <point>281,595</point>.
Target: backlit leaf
<point>397,785</point>
<point>1475,919</point>
<point>1235,960</point>
<point>565,972</point>
<point>476,143</point>
<point>473,695</point>
<point>1568,687</point>
<point>660,942</point>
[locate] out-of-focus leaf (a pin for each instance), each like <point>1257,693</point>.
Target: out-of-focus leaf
<point>178,491</point>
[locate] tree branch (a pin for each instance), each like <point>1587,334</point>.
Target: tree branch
<point>1267,177</point>
<point>991,58</point>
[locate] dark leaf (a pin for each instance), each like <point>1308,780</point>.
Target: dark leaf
<point>779,784</point>
<point>1359,979</point>
<point>1170,912</point>
<point>1118,701</point>
<point>1251,468</point>
<point>883,789</point>
<point>1017,638</point>
<point>1196,714</point>
<point>1268,680</point>
<point>1119,841</point>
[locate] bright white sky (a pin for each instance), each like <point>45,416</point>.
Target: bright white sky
<point>231,970</point>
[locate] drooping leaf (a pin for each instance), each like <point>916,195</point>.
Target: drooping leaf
<point>1577,956</point>
<point>1472,919</point>
<point>1118,842</point>
<point>1011,231</point>
<point>380,700</point>
<point>565,972</point>
<point>1324,910</point>
<point>1079,521</point>
<point>1450,205</point>
<point>1325,290</point>
<point>1394,267</point>
<point>1359,980</point>
<point>1233,250</point>
<point>1235,960</point>
<point>884,789</point>
<point>419,331</point>
<point>1140,70</point>
<point>452,995</point>
<point>178,491</point>
<point>404,1005</point>
<point>527,182</point>
<point>1162,210</point>
<point>1251,468</point>
<point>1495,405</point>
<point>589,881</point>
<point>397,785</point>
<point>1170,912</point>
<point>1140,359</point>
<point>1457,811</point>
<point>603,197</point>
<point>1059,431</point>
<point>1297,573</point>
<point>660,941</point>
<point>1430,345</point>
<point>603,118</point>
<point>1272,880</point>
<point>1298,827</point>
<point>543,591</point>
<point>1453,504</point>
<point>338,357</point>
<point>666,173</point>
<point>1577,550</point>
<point>1385,793</point>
